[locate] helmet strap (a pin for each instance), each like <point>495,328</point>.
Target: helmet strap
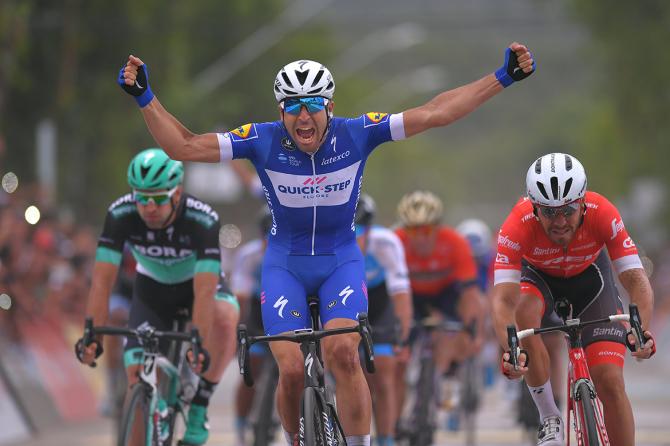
<point>174,207</point>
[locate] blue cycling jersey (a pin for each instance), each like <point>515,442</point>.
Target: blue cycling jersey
<point>312,197</point>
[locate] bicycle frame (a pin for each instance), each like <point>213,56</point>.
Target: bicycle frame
<point>152,361</point>
<point>578,370</point>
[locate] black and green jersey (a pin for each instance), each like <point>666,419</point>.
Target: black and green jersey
<point>171,255</point>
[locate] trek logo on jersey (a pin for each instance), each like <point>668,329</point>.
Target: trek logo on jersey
<point>244,132</point>
<point>617,226</point>
<point>299,191</point>
<point>374,118</point>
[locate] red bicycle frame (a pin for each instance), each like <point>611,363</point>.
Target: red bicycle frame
<point>584,408</point>
<point>578,376</point>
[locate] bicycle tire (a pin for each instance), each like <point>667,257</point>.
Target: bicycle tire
<point>139,399</point>
<point>311,419</point>
<point>423,426</point>
<point>586,414</point>
<point>264,426</point>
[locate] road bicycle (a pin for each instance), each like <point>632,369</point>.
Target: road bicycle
<point>318,424</point>
<point>584,409</point>
<point>418,422</point>
<point>159,426</point>
<point>263,416</point>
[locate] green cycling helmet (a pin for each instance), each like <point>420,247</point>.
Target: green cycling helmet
<point>154,169</point>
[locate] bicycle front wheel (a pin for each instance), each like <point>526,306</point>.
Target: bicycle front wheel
<point>586,415</point>
<point>311,418</point>
<point>264,426</point>
<point>136,422</point>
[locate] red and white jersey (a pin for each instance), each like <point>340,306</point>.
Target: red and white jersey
<point>522,237</point>
<point>450,261</point>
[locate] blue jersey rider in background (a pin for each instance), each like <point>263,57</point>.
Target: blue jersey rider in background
<point>311,164</point>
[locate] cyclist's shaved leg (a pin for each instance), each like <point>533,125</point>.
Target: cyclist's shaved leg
<point>291,381</point>
<point>383,386</point>
<point>353,394</point>
<point>610,387</point>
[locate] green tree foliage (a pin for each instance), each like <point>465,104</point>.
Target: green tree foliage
<point>625,130</point>
<point>59,60</point>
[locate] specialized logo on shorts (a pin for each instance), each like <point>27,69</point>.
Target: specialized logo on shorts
<point>332,304</point>
<point>374,118</point>
<point>281,303</point>
<point>346,293</point>
<point>296,313</point>
<point>244,132</point>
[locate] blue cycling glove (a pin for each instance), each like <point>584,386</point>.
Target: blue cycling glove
<point>140,90</point>
<point>510,71</point>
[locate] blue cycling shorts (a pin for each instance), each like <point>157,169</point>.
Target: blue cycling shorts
<point>338,280</point>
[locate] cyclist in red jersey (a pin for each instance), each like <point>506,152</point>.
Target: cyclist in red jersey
<point>554,245</point>
<point>443,273</point>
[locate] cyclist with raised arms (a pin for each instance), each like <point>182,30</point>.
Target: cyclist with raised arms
<point>554,245</point>
<point>443,275</point>
<point>389,312</point>
<point>310,164</point>
<point>174,238</point>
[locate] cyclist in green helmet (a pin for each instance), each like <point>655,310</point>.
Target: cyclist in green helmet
<point>175,239</point>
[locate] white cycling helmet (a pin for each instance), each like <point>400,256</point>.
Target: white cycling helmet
<point>555,179</point>
<point>304,78</point>
<point>478,234</point>
<point>420,208</point>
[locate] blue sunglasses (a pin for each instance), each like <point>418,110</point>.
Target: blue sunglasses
<point>312,104</point>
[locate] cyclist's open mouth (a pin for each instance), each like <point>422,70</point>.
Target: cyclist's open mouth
<point>305,134</point>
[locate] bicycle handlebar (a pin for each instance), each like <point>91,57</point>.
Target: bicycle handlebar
<point>514,336</point>
<point>300,337</point>
<point>144,334</point>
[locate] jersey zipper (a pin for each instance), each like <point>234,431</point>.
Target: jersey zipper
<point>314,204</point>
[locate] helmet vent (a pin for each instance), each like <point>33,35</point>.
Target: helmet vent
<point>287,81</point>
<point>318,77</point>
<point>542,190</point>
<point>554,187</point>
<point>568,183</point>
<point>160,171</point>
<point>144,171</point>
<point>568,162</point>
<point>302,76</point>
<point>538,166</point>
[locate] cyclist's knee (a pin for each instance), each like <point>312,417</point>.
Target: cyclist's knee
<point>609,382</point>
<point>528,313</point>
<point>291,376</point>
<point>341,354</point>
<point>225,317</point>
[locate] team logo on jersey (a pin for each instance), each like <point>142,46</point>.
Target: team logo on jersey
<point>287,143</point>
<point>375,118</point>
<point>244,132</point>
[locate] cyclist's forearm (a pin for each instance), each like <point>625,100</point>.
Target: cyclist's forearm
<point>503,301</point>
<point>102,283</point>
<point>204,285</point>
<point>636,283</point>
<point>177,141</point>
<point>402,306</point>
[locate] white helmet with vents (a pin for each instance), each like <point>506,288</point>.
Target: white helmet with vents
<point>555,179</point>
<point>304,78</point>
<point>478,234</point>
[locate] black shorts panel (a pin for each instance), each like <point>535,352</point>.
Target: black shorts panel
<point>592,294</point>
